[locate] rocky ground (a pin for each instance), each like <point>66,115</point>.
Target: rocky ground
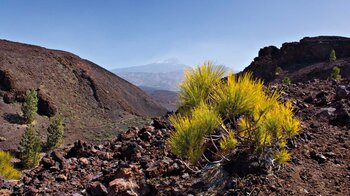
<point>138,161</point>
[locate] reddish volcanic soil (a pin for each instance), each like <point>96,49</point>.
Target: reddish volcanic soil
<point>139,161</point>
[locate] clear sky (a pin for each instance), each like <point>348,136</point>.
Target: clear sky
<point>135,32</point>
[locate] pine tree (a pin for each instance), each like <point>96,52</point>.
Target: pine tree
<point>55,133</point>
<point>335,75</point>
<point>30,147</point>
<point>30,106</point>
<point>286,81</point>
<point>332,56</point>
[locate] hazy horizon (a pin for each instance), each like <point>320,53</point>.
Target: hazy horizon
<point>117,34</point>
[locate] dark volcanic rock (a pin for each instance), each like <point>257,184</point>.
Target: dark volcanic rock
<point>9,98</point>
<point>303,60</point>
<point>80,149</point>
<point>7,80</point>
<point>45,105</point>
<point>342,116</point>
<point>318,157</point>
<point>97,189</point>
<point>341,92</point>
<point>326,113</point>
<point>57,156</point>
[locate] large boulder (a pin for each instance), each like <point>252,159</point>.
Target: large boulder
<point>7,80</point>
<point>46,105</point>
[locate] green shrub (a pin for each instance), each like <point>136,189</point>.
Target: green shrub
<point>191,130</point>
<point>30,147</point>
<point>237,95</point>
<point>282,156</point>
<point>6,168</point>
<point>332,56</point>
<point>263,120</point>
<point>199,84</point>
<point>286,81</point>
<point>228,142</point>
<point>30,106</point>
<point>335,75</point>
<point>55,133</point>
<point>260,120</point>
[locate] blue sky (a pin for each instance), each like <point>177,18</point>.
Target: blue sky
<point>134,32</point>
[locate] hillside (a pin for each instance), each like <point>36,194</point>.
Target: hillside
<point>167,99</point>
<point>303,60</point>
<point>95,103</point>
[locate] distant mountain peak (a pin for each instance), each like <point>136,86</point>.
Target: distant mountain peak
<point>165,66</point>
<point>173,61</point>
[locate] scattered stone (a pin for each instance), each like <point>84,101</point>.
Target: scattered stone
<point>80,149</point>
<point>47,162</point>
<point>309,99</point>
<point>185,175</point>
<point>9,98</point>
<point>131,150</point>
<point>320,158</point>
<point>129,134</point>
<point>84,161</point>
<point>330,154</point>
<point>326,113</point>
<point>342,116</point>
<point>5,192</point>
<point>96,189</point>
<point>341,92</point>
<point>61,177</point>
<point>121,186</point>
<point>2,139</point>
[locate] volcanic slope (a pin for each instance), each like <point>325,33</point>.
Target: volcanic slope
<point>94,102</point>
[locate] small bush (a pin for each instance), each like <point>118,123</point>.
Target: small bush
<point>55,133</point>
<point>286,81</point>
<point>30,106</point>
<point>254,115</point>
<point>6,168</point>
<point>228,142</point>
<point>335,75</point>
<point>237,95</point>
<point>191,130</point>
<point>282,157</point>
<point>264,121</point>
<point>199,84</point>
<point>270,130</point>
<point>30,147</point>
<point>332,56</point>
